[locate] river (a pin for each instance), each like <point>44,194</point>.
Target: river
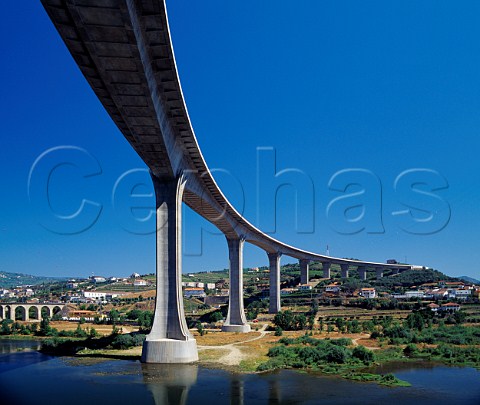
<point>29,377</point>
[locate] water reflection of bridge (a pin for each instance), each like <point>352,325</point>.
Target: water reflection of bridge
<point>28,312</point>
<point>169,385</point>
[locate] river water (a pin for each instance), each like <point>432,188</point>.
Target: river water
<point>29,377</point>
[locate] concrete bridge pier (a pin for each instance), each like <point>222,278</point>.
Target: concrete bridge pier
<point>326,269</point>
<point>362,272</point>
<point>304,269</point>
<point>344,270</point>
<point>236,320</point>
<point>274,265</point>
<point>169,340</point>
<point>379,273</point>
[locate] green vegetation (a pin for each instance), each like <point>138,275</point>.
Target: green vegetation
<point>144,319</point>
<point>68,346</point>
<point>329,356</point>
<point>410,278</point>
<point>255,307</point>
<point>287,320</point>
<point>9,327</point>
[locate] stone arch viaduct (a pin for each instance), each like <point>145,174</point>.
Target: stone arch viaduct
<point>28,312</point>
<point>124,50</point>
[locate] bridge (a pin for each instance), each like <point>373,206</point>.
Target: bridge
<point>28,312</point>
<point>125,52</point>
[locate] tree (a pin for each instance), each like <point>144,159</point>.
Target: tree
<point>134,314</point>
<point>114,316</point>
<point>45,327</point>
<point>363,354</point>
<point>459,317</point>
<point>215,316</point>
<point>5,327</point>
<point>145,320</point>
<point>289,321</point>
<point>79,332</point>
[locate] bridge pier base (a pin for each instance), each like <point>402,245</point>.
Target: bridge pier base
<point>274,263</point>
<point>169,340</point>
<point>379,273</point>
<point>344,270</point>
<point>236,320</point>
<point>304,269</point>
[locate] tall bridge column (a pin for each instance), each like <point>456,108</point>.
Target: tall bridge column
<point>274,264</point>
<point>236,320</point>
<point>379,272</point>
<point>362,272</point>
<point>326,269</point>
<point>344,270</point>
<point>304,268</point>
<point>169,340</point>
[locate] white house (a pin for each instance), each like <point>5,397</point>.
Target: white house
<point>98,279</point>
<point>461,294</point>
<point>287,291</point>
<point>368,292</point>
<point>333,288</point>
<point>450,307</point>
<point>94,294</point>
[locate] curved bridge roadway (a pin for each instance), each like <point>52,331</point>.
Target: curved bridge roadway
<point>124,50</point>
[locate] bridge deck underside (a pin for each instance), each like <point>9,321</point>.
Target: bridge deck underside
<point>124,50</point>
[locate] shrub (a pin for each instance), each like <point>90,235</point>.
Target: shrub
<point>363,354</point>
<point>216,316</point>
<point>123,342</point>
<point>410,350</point>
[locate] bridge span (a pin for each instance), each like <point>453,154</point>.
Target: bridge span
<point>124,50</point>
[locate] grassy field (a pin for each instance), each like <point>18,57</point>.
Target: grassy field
<point>101,329</point>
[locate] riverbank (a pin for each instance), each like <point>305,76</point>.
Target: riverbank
<point>352,356</point>
<point>51,379</point>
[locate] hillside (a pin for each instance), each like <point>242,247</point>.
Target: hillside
<point>9,280</point>
<point>411,278</point>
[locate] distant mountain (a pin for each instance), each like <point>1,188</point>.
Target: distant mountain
<point>469,279</point>
<point>9,280</point>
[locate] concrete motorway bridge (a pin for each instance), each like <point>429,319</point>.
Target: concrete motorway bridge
<point>124,50</point>
<point>28,312</point>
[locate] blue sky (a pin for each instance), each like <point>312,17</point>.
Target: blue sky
<point>385,87</point>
